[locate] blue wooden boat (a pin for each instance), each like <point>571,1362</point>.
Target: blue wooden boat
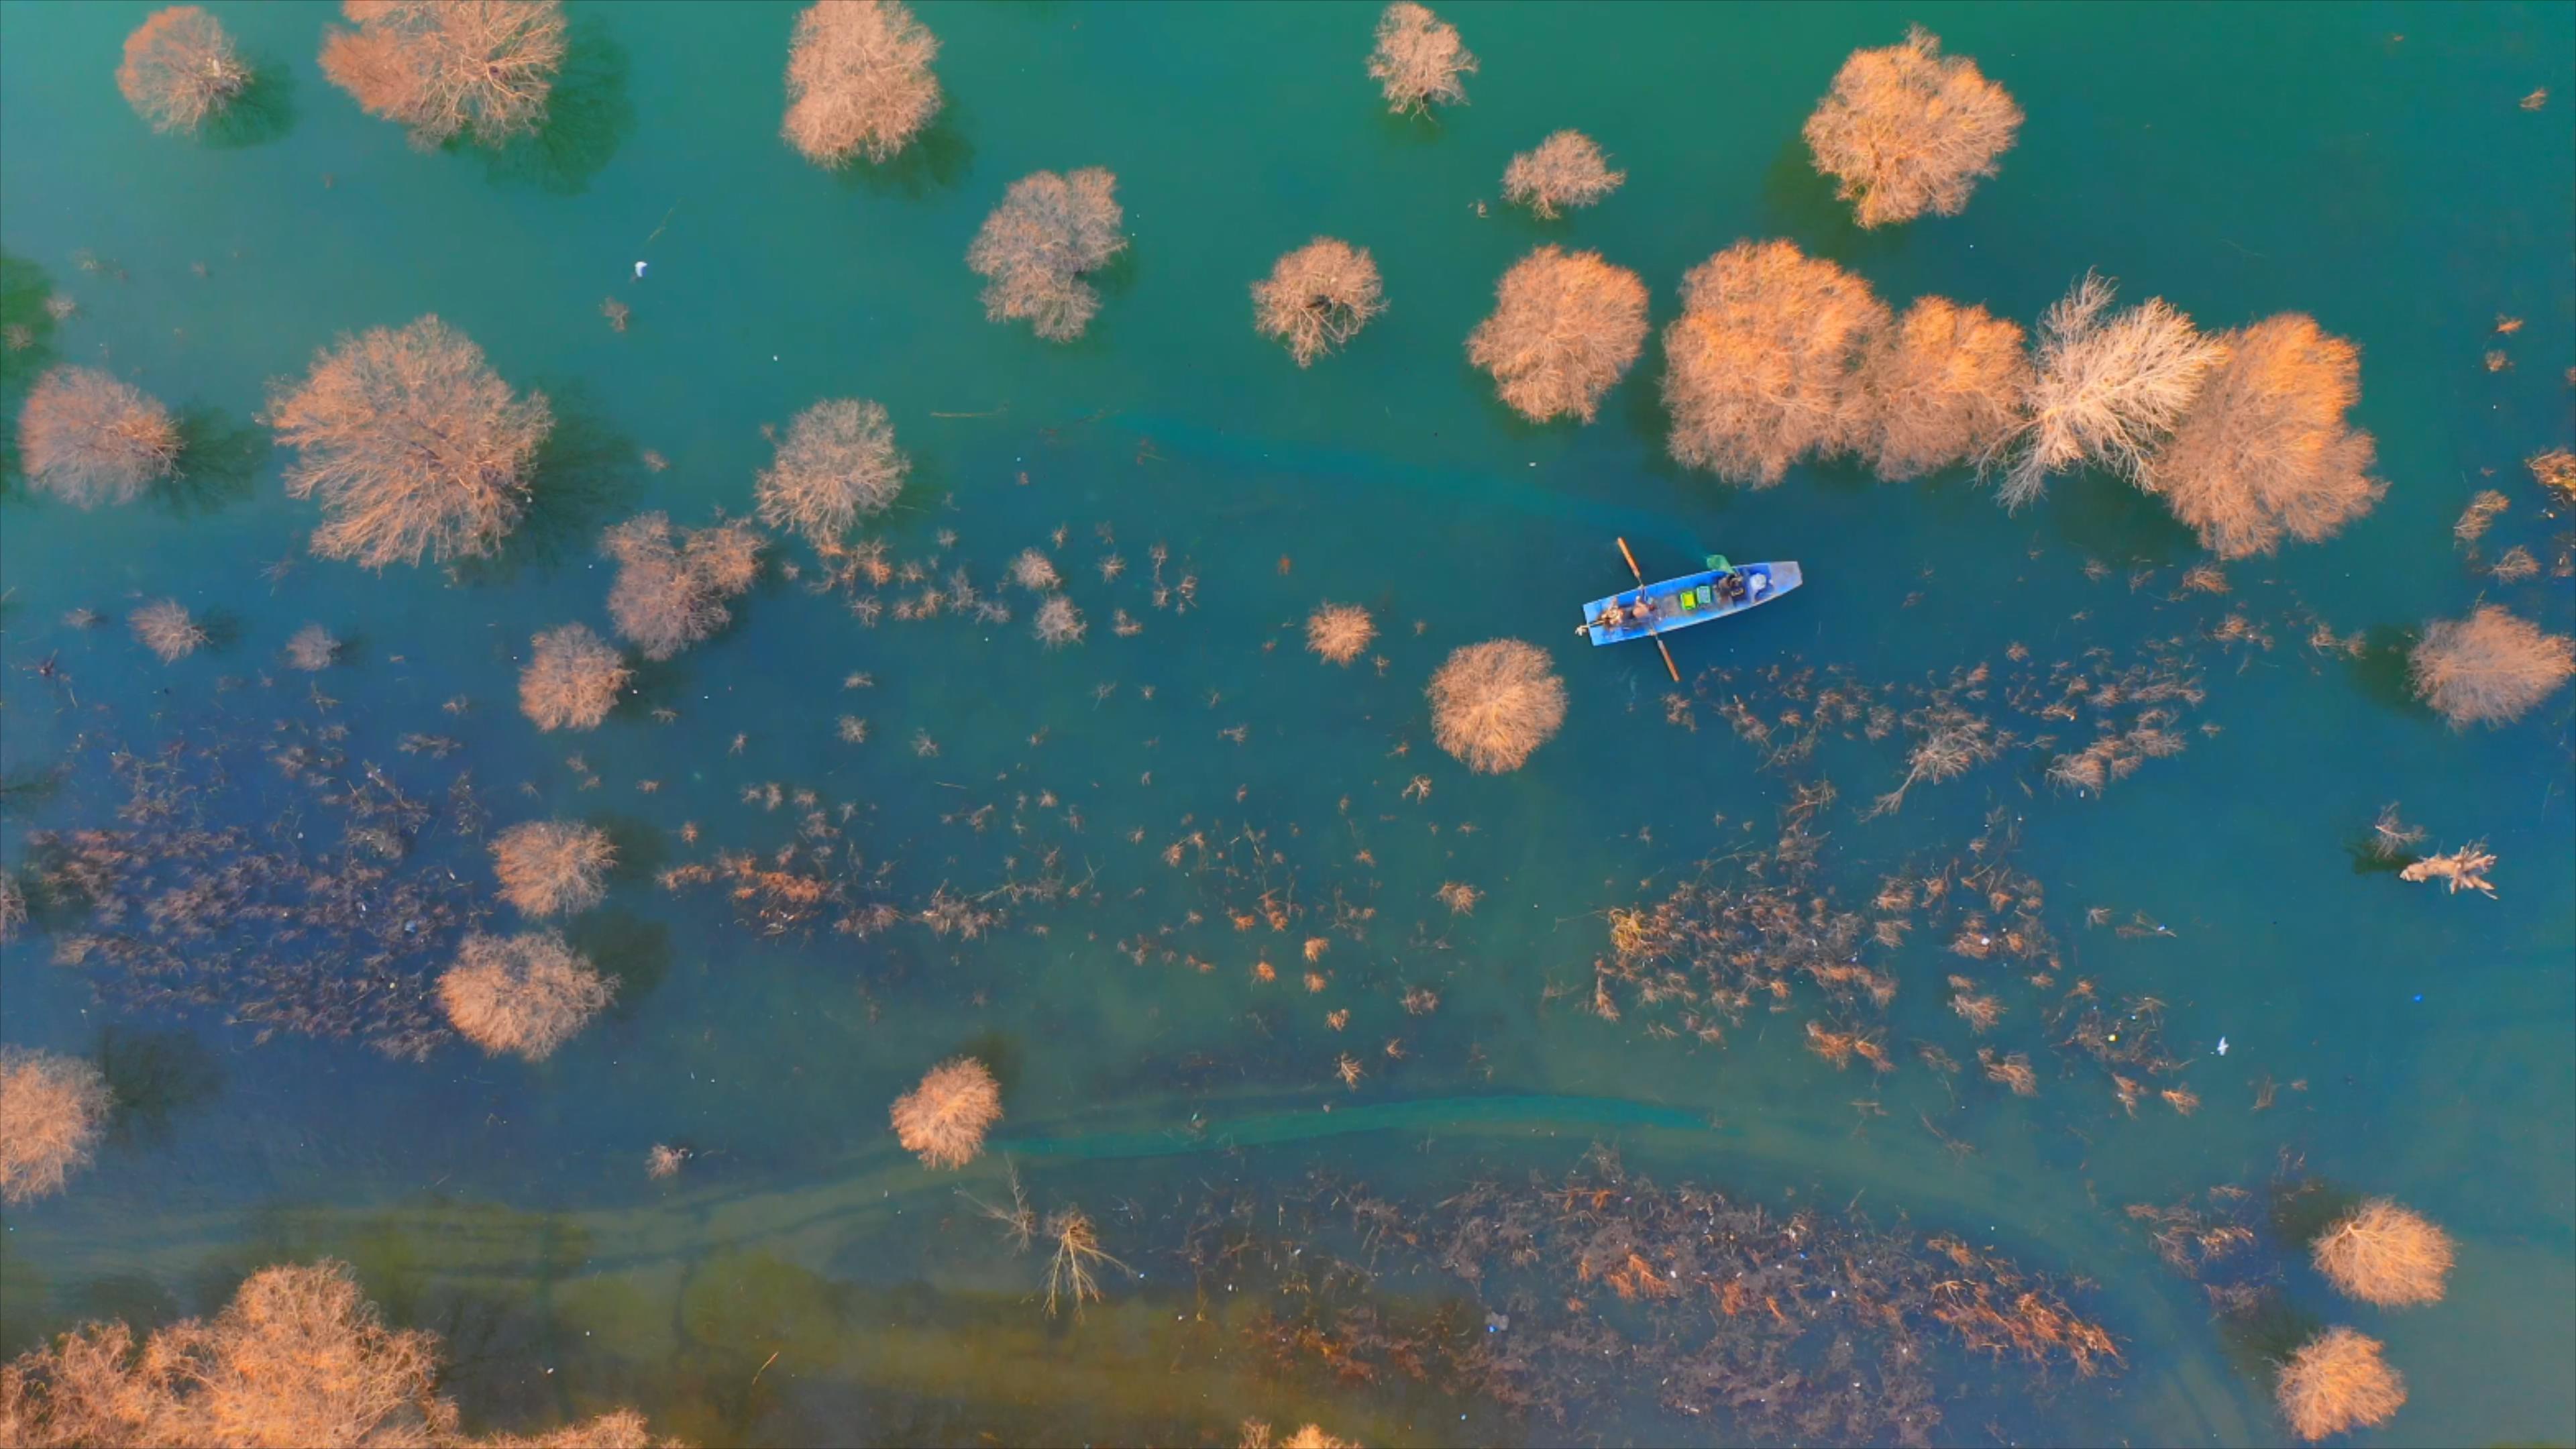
<point>1713,593</point>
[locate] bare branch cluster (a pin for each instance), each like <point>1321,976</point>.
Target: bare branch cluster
<point>1418,59</point>
<point>1762,368</point>
<point>837,464</point>
<point>1906,130</point>
<point>1942,386</point>
<point>439,68</point>
<point>2264,451</point>
<point>671,590</point>
<point>1317,297</point>
<point>859,81</point>
<point>1036,246</point>
<point>1567,169</point>
<point>180,68</point>
<point>1564,328</point>
<point>89,437</point>
<point>572,679</point>
<point>52,1108</point>
<point>525,994</point>
<point>415,445</point>
<point>2489,668</point>
<point>2109,389</point>
<point>1493,703</point>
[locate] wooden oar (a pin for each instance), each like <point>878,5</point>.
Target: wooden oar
<point>1657,632</point>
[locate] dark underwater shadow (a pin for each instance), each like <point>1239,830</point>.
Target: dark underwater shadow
<point>588,116</point>
<point>2382,672</point>
<point>584,471</point>
<point>153,1076</point>
<point>1798,202</point>
<point>938,158</point>
<point>628,949</point>
<point>26,350</point>
<point>2103,517</point>
<point>134,1299</point>
<point>217,464</point>
<point>263,112</point>
<point>640,845</point>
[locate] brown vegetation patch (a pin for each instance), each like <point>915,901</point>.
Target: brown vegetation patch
<point>2263,450</point>
<point>837,465</point>
<point>1418,59</point>
<point>1565,170</point>
<point>2464,869</point>
<point>1942,386</point>
<point>945,1118</point>
<point>415,445</point>
<point>1059,623</point>
<point>858,81</point>
<point>2554,470</point>
<point>52,1109</point>
<point>299,1357</point>
<point>2489,668</point>
<point>526,994</point>
<point>1906,130</point>
<point>180,69</point>
<point>2335,1382</point>
<point>442,67</point>
<point>1317,298</point>
<point>88,438</point>
<point>671,590</point>
<point>2108,390</point>
<point>572,679</point>
<point>1493,703</point>
<point>1762,367</point>
<point>1035,248</point>
<point>1565,326</point>
<point>553,867</point>
<point>2385,1254</point>
<point>312,649</point>
<point>1035,572</point>
<point>165,627</point>
<point>1339,632</point>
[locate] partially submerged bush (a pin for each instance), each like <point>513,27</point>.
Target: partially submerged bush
<point>52,1108</point>
<point>2263,450</point>
<point>1906,130</point>
<point>312,649</point>
<point>299,1357</point>
<point>180,69</point>
<point>2489,668</point>
<point>415,445</point>
<point>1339,632</point>
<point>671,592</point>
<point>572,679</point>
<point>1942,386</point>
<point>1317,298</point>
<point>1565,326</point>
<point>1495,702</point>
<point>945,1118</point>
<point>553,867</point>
<point>2335,1382</point>
<point>1567,169</point>
<point>858,81</point>
<point>2109,389</point>
<point>1418,59</point>
<point>165,627</point>
<point>1036,246</point>
<point>88,437</point>
<point>837,464</point>
<point>1059,623</point>
<point>1762,367</point>
<point>525,994</point>
<point>442,67</point>
<point>2385,1254</point>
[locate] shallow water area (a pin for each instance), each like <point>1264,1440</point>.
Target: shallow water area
<point>1152,818</point>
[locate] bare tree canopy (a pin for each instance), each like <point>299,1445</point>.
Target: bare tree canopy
<point>859,81</point>
<point>440,68</point>
<point>1906,130</point>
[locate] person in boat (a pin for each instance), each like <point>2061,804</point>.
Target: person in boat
<point>1730,587</point>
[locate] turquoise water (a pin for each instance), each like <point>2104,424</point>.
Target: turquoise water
<point>2367,165</point>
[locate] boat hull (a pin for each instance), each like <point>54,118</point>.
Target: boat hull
<point>1688,600</point>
